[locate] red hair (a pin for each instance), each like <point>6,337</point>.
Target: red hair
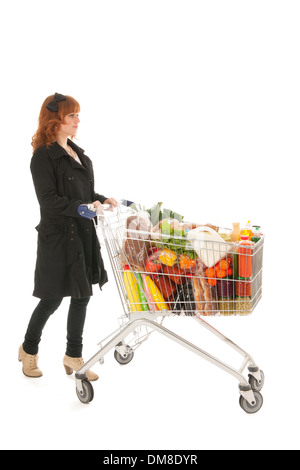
<point>50,121</point>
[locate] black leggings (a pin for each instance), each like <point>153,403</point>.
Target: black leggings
<point>75,325</point>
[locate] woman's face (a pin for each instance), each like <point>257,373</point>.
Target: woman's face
<point>69,126</point>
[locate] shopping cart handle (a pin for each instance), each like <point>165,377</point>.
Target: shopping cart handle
<point>87,211</point>
<point>126,203</point>
<point>111,208</point>
<point>106,207</point>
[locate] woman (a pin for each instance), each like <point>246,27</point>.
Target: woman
<point>68,254</point>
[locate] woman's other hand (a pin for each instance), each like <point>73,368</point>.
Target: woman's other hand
<point>111,201</point>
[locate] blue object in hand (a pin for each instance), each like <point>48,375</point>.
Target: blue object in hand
<point>84,211</point>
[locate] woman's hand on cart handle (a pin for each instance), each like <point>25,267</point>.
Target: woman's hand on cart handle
<point>110,204</point>
<point>112,201</point>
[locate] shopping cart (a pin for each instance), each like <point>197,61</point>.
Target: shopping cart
<point>167,272</point>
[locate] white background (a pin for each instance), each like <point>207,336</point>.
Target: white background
<point>193,103</point>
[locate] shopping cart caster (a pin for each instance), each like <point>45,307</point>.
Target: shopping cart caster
<point>123,354</point>
<point>252,408</point>
<point>257,385</point>
<point>85,391</point>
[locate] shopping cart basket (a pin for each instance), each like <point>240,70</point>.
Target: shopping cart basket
<point>170,272</point>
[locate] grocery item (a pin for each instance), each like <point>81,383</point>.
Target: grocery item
<point>243,305</point>
<point>175,273</point>
<point>153,264</point>
<point>211,273</point>
<point>225,288</point>
<point>220,270</point>
<point>151,303</point>
<point>256,234</point>
<point>244,260</point>
<point>226,237</point>
<point>144,302</point>
<point>165,226</point>
<point>136,244</point>
<point>235,262</point>
<point>168,257</point>
<point>227,306</point>
<point>224,267</point>
<point>235,233</point>
<point>243,287</point>
<point>213,227</point>
<point>157,213</point>
<point>168,226</point>
<point>156,294</point>
<point>247,230</point>
<point>173,233</point>
<point>132,290</point>
<point>208,244</point>
<point>185,299</point>
<point>198,294</point>
<point>208,291</point>
<point>186,262</point>
<point>165,285</point>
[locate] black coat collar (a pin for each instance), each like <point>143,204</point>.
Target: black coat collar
<point>57,151</point>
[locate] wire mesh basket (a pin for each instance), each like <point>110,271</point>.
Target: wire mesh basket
<point>181,269</point>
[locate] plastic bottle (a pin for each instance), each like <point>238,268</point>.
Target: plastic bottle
<point>247,230</point>
<point>256,234</point>
<point>243,287</point>
<point>245,257</point>
<point>235,233</point>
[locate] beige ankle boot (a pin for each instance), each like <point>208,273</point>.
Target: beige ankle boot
<point>30,364</point>
<point>74,363</point>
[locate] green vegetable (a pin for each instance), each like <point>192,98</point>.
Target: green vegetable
<point>144,303</point>
<point>179,245</point>
<point>157,213</point>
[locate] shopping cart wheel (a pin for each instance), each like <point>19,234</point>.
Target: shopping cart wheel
<point>249,408</point>
<point>87,394</point>
<point>126,358</point>
<point>255,385</point>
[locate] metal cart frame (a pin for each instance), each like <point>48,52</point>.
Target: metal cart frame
<point>251,399</point>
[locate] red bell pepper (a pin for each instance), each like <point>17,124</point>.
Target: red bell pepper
<point>153,264</point>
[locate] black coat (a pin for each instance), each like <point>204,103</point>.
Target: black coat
<point>69,259</point>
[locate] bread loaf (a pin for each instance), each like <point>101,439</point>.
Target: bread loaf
<point>136,243</point>
<point>205,295</point>
<point>198,295</point>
